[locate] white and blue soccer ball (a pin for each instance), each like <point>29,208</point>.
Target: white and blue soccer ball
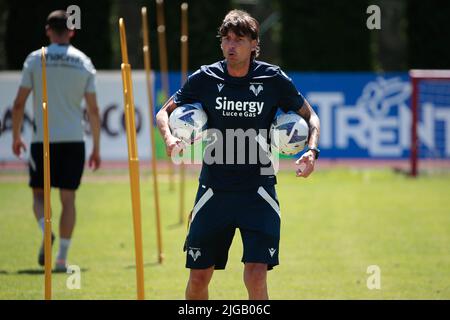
<point>289,133</point>
<point>188,122</point>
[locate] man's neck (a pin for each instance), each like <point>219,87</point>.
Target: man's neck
<point>238,70</point>
<point>60,41</point>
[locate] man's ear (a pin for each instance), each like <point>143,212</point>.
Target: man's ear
<point>254,45</point>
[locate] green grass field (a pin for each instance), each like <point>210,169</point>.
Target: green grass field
<point>334,225</point>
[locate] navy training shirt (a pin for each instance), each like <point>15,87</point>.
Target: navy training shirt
<point>248,102</point>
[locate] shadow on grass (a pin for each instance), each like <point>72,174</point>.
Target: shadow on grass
<point>4,272</point>
<point>42,271</point>
<point>148,264</point>
<point>176,226</point>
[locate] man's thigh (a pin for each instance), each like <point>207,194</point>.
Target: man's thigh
<point>259,224</point>
<point>211,231</point>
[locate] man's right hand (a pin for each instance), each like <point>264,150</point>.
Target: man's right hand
<point>17,117</point>
<point>17,147</point>
<point>173,145</point>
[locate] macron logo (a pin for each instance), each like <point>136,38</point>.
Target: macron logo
<point>220,86</point>
<point>272,251</point>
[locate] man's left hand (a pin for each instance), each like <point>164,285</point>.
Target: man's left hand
<point>308,158</point>
<point>94,160</point>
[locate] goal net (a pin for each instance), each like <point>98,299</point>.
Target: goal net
<point>430,129</point>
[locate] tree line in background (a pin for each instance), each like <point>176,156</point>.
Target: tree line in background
<point>303,35</point>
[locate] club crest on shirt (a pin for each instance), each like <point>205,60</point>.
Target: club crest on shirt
<point>256,88</point>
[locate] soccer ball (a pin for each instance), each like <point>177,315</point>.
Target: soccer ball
<point>289,133</point>
<point>188,122</point>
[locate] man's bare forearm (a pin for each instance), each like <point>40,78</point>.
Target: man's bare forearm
<point>307,113</point>
<point>17,118</point>
<point>19,110</point>
<point>162,119</point>
<point>94,118</point>
<point>314,131</point>
<point>94,121</point>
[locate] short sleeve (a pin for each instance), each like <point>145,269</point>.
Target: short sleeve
<point>290,98</point>
<point>91,82</point>
<point>190,92</point>
<point>27,73</point>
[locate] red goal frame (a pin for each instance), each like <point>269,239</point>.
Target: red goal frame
<point>416,76</point>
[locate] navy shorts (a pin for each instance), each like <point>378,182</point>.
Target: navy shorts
<point>66,165</point>
<point>214,220</point>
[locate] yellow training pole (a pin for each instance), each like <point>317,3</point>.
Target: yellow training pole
<point>146,50</point>
<point>133,160</point>
<point>47,210</point>
<point>184,70</point>
<point>164,67</point>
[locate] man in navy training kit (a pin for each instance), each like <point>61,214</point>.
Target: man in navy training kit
<point>237,93</point>
<point>70,77</point>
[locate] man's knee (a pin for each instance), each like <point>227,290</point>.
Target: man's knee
<point>199,279</point>
<point>67,198</point>
<point>255,275</point>
<point>38,195</point>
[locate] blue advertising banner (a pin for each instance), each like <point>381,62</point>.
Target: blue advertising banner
<point>368,115</point>
<point>364,115</point>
